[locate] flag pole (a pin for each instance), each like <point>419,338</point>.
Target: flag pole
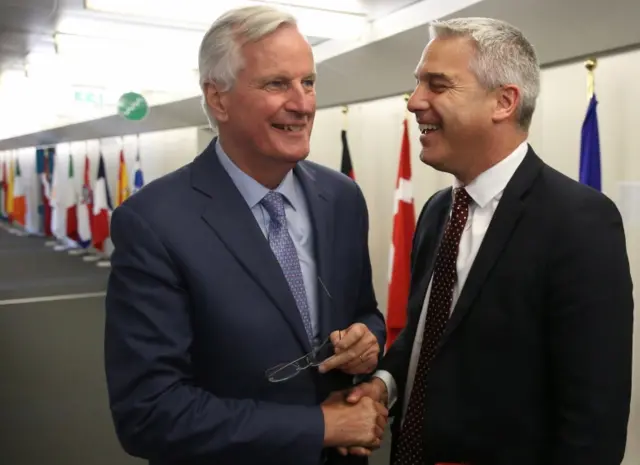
<point>346,166</point>
<point>591,65</point>
<point>406,101</point>
<point>345,112</point>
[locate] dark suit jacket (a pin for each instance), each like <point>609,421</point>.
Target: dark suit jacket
<point>198,308</point>
<point>534,367</point>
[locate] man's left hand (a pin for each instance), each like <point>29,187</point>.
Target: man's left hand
<point>356,351</point>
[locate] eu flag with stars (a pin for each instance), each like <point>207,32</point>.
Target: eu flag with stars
<point>590,148</point>
<point>138,178</point>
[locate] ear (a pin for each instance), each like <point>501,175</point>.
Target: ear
<point>507,99</point>
<point>216,101</point>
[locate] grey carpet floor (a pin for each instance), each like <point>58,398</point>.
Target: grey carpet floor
<point>53,400</point>
<point>28,268</point>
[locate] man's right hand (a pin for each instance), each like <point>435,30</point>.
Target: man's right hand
<point>375,390</point>
<point>355,424</point>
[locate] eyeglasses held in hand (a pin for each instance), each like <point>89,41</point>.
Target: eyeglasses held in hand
<point>286,371</point>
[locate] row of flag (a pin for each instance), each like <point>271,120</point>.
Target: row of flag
<point>12,193</point>
<point>404,221</point>
<point>64,211</point>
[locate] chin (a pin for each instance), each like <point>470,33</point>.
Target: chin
<point>295,157</point>
<point>292,152</point>
<point>439,161</point>
<point>431,157</point>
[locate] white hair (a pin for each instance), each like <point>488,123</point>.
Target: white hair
<point>503,56</point>
<point>220,58</point>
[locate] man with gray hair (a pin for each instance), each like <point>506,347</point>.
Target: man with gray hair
<point>235,277</point>
<point>518,343</point>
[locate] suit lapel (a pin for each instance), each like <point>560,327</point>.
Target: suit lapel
<point>496,238</point>
<point>432,236</point>
<point>322,219</point>
<point>230,218</point>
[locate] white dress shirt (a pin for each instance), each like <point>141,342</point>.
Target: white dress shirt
<point>485,192</point>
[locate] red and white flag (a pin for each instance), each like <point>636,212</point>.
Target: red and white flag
<point>404,222</point>
<point>19,196</point>
<point>101,208</point>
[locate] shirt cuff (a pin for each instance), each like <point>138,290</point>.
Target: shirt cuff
<point>390,383</point>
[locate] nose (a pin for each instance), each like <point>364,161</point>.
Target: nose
<point>302,100</point>
<point>418,101</point>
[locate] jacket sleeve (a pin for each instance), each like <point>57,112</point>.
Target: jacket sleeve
<point>591,324</point>
<point>159,412</point>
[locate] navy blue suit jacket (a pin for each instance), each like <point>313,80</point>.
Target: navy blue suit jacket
<point>198,308</point>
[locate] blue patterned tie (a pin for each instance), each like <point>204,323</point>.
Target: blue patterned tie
<point>285,251</point>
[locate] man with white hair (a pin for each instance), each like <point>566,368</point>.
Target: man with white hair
<point>518,343</point>
<point>236,276</point>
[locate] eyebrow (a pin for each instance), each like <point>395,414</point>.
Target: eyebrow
<point>429,76</point>
<point>281,77</point>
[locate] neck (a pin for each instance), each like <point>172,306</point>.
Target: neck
<point>266,170</point>
<point>493,152</point>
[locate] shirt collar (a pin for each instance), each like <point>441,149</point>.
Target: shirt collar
<point>250,189</point>
<point>493,181</point>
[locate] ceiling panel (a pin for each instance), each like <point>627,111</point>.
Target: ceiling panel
<point>385,67</point>
<point>27,10</point>
<point>379,8</point>
<point>24,24</point>
<point>370,8</point>
<point>29,25</point>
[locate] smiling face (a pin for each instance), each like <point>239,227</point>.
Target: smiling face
<point>455,113</point>
<point>268,114</point>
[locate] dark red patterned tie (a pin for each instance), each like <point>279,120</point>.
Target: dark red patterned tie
<point>410,449</point>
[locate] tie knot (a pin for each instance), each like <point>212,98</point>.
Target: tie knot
<point>461,197</point>
<point>273,202</point>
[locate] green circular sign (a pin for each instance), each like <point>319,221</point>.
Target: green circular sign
<point>133,106</point>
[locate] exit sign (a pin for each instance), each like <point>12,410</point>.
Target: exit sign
<point>85,96</point>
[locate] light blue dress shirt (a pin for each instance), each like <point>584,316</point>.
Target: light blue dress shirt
<point>298,222</point>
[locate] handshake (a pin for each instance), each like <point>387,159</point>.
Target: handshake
<point>355,419</point>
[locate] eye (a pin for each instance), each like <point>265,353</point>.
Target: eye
<point>310,83</point>
<point>276,85</point>
<point>437,88</point>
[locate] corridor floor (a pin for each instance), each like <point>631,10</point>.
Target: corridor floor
<point>53,399</point>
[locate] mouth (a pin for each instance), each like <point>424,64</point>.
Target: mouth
<point>289,127</point>
<point>429,128</point>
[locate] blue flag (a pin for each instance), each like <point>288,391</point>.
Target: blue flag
<point>590,148</point>
<point>138,178</point>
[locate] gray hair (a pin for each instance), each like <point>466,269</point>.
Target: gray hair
<point>220,59</point>
<point>503,56</point>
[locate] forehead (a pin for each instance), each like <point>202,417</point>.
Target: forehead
<point>283,51</point>
<point>449,56</point>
